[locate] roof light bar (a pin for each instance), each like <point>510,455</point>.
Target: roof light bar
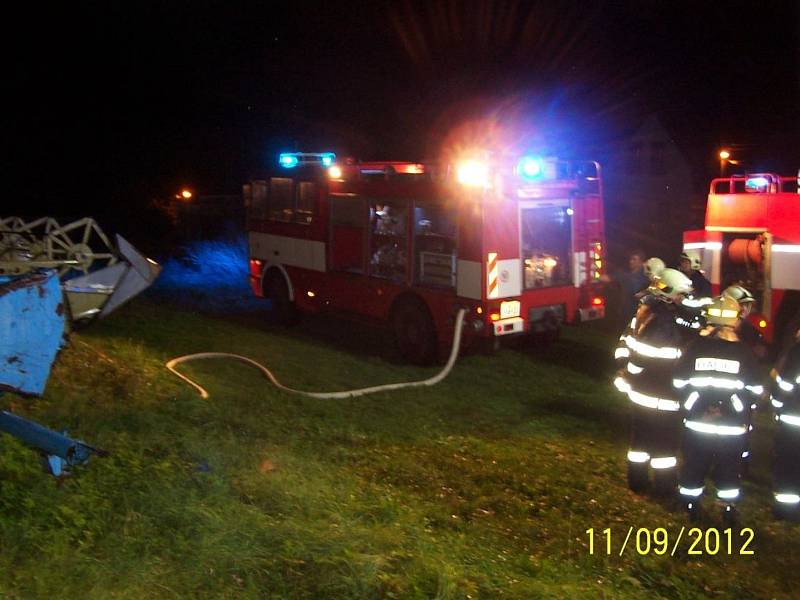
<point>289,160</point>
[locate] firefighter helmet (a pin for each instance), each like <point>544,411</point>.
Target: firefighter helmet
<point>653,266</point>
<point>671,283</point>
<point>693,257</point>
<point>724,310</point>
<point>739,293</point>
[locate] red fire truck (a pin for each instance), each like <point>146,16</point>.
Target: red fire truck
<point>752,237</point>
<point>518,242</point>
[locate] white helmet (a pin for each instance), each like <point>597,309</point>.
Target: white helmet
<point>724,310</point>
<point>693,257</point>
<point>738,293</point>
<point>653,267</point>
<point>671,283</point>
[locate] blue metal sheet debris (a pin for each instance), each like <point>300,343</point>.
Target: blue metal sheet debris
<point>37,308</point>
<point>31,330</point>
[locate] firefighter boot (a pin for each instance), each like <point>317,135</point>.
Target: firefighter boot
<point>693,511</point>
<point>730,517</point>
<point>786,512</point>
<point>665,481</point>
<point>638,477</point>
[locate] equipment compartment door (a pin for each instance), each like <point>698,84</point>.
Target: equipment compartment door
<point>348,234</point>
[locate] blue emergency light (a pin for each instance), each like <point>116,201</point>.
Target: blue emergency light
<point>530,167</point>
<point>289,160</point>
<point>756,184</point>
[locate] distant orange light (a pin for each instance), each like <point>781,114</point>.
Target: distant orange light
<point>186,194</point>
<point>724,154</point>
<point>479,310</point>
<point>762,323</point>
<point>335,172</point>
<point>597,301</point>
<point>495,316</point>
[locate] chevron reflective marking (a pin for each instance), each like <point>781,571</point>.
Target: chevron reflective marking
<point>492,287</point>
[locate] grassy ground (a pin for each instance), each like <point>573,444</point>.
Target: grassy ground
<point>482,486</point>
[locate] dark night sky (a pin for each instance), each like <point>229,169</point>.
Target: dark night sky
<point>113,104</point>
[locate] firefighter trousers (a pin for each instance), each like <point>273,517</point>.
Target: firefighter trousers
<point>719,456</point>
<point>655,433</point>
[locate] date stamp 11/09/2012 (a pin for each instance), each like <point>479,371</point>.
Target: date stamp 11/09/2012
<point>693,541</point>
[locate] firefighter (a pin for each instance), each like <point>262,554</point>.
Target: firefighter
<point>692,307</point>
<point>751,337</point>
<point>748,333</point>
<point>689,265</point>
<point>649,349</point>
<point>652,268</point>
<point>785,398</point>
<point>717,378</point>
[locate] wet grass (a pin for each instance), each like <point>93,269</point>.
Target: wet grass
<point>482,486</point>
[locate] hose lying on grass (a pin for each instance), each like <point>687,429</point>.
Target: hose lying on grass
<point>326,395</point>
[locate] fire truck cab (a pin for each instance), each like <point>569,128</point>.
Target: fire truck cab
<point>752,238</point>
<point>516,241</point>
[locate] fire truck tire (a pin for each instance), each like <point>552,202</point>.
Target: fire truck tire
<point>414,332</point>
<point>277,291</point>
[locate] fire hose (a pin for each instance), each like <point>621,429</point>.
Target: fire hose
<point>325,395</point>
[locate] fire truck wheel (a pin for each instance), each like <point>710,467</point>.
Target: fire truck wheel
<point>283,309</point>
<point>414,332</point>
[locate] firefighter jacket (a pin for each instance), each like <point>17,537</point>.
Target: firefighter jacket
<point>785,393</point>
<point>717,380</point>
<point>649,348</point>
